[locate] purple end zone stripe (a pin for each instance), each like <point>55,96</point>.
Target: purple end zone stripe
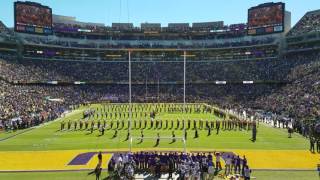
<point>82,159</point>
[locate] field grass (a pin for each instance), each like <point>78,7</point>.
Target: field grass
<point>48,137</point>
<point>81,175</point>
<point>260,175</point>
<point>10,134</point>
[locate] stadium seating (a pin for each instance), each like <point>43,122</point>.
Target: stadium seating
<point>28,83</point>
<point>115,72</point>
<point>65,42</point>
<point>270,97</point>
<point>4,29</point>
<point>309,23</point>
<point>299,99</point>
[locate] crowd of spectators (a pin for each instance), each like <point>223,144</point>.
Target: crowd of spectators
<point>309,23</point>
<point>24,106</point>
<point>145,44</point>
<point>150,72</point>
<point>300,98</point>
<point>26,73</point>
<point>297,98</point>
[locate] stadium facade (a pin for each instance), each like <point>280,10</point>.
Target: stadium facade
<point>260,52</point>
<point>229,78</point>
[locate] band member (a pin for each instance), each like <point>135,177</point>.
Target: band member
<point>122,124</point>
<point>91,129</point>
<point>171,127</point>
<point>157,123</point>
<point>111,124</point>
<point>140,122</point>
<point>128,135</point>
<point>157,140</point>
<point>117,125</point>
<point>185,134</point>
<point>196,134</point>
<point>104,123</point>
<point>62,125</point>
<point>92,124</point>
<point>86,124</point>
<point>201,124</point>
<point>99,123</point>
<point>218,126</point>
<point>178,124</point>
<point>183,122</point>
<point>141,137</point>
<point>254,132</point>
<point>115,133</point>
<point>75,123</point>
<point>81,124</point>
<point>145,124</point>
<point>69,125</point>
<point>173,137</point>
<point>160,123</point>
<point>135,124</point>
<point>102,130</point>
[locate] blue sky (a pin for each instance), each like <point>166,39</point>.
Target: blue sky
<point>158,11</point>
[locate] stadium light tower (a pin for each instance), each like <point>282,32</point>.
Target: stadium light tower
<point>130,105</point>
<point>184,98</point>
<point>184,79</point>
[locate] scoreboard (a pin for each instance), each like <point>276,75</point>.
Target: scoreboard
<point>32,18</point>
<point>266,19</point>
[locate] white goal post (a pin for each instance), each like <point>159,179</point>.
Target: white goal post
<point>130,100</point>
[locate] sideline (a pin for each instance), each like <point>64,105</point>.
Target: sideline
<point>41,125</point>
<point>12,136</point>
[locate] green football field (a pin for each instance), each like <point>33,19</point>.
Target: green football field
<point>48,137</point>
<point>260,175</point>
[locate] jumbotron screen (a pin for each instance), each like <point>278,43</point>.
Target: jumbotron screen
<point>32,18</point>
<point>266,19</point>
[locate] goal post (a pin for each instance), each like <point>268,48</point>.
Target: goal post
<point>135,57</point>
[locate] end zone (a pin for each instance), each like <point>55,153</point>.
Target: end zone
<point>74,160</point>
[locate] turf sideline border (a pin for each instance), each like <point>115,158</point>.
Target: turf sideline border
<point>68,113</point>
<point>105,169</point>
<point>22,132</point>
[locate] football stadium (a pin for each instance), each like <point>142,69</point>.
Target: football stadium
<point>166,99</point>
